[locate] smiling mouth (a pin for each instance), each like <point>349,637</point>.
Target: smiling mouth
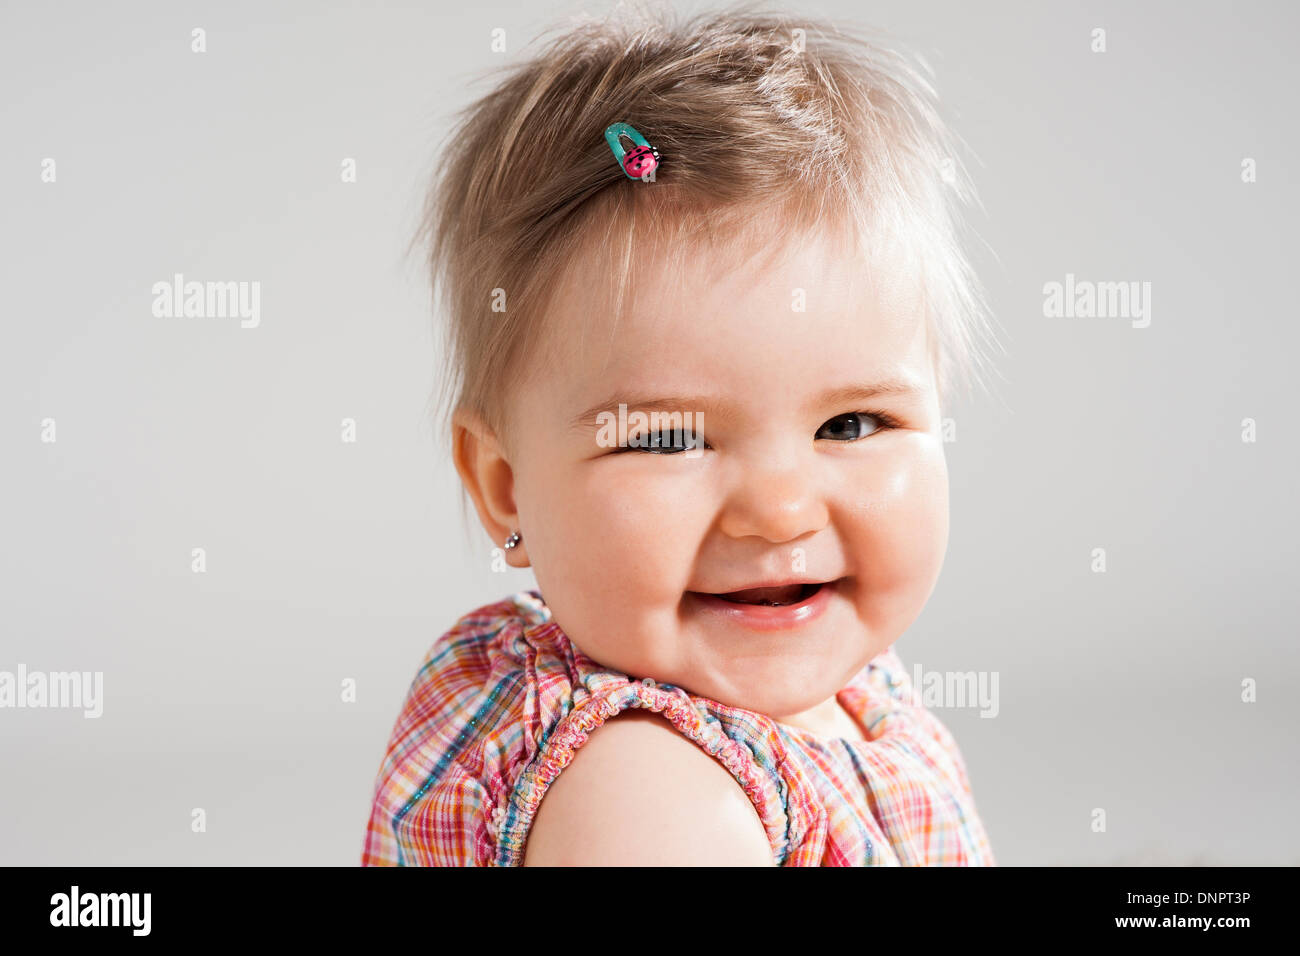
<point>780,608</point>
<point>772,597</point>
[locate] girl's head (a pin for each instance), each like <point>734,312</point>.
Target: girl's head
<point>791,282</point>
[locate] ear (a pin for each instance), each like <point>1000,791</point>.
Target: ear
<point>486,473</point>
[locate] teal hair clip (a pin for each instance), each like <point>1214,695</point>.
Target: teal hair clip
<point>637,162</point>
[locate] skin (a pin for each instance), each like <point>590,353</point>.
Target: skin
<point>617,537</point>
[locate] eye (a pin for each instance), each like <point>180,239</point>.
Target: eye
<point>853,426</point>
<point>665,442</point>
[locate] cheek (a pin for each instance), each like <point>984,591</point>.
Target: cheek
<point>616,537</point>
<point>898,521</point>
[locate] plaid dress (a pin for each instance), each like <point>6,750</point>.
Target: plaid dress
<point>503,700</point>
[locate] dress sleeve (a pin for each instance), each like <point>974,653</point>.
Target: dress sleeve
<point>764,787</point>
<point>450,748</point>
<point>905,703</point>
<point>900,704</point>
<point>435,822</point>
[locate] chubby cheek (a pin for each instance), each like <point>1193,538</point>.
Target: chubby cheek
<point>612,546</point>
<point>896,521</point>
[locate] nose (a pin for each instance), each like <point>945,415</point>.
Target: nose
<point>778,505</point>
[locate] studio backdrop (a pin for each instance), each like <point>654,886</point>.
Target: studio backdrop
<point>230,534</point>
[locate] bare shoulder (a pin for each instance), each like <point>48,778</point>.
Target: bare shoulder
<point>640,793</point>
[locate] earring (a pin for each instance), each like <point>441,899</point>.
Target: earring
<point>513,540</point>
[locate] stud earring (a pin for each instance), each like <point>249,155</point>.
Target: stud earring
<point>513,540</point>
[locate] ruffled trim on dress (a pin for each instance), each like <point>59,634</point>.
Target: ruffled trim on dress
<point>514,820</point>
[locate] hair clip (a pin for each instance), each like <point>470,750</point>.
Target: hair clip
<point>637,162</point>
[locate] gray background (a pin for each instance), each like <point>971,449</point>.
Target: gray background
<point>329,561</point>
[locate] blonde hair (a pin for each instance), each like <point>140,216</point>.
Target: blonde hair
<point>756,115</point>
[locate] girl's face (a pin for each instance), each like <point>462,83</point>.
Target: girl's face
<point>821,461</point>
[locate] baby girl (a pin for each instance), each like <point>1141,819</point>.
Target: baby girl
<point>735,237</point>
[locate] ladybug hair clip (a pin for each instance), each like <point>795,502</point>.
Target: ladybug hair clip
<point>639,161</point>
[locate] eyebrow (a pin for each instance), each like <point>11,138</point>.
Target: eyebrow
<point>843,395</point>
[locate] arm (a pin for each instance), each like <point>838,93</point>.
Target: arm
<point>638,793</point>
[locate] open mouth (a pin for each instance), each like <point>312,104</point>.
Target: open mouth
<point>772,597</point>
<point>781,608</point>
